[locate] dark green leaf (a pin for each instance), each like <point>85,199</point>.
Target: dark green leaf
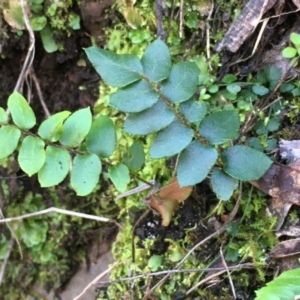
<point>76,127</point>
<point>48,41</point>
<point>85,173</point>
<point>193,111</point>
<point>115,69</point>
<point>171,140</point>
<point>270,74</point>
<point>296,92</point>
<point>119,175</point>
<point>3,116</point>
<point>273,124</point>
<point>286,87</point>
<point>229,78</point>
<point>182,83</point>
<point>256,144</point>
<point>21,113</point>
<point>101,139</point>
<point>245,163</point>
<point>227,95</point>
<point>260,90</point>
<point>32,155</point>
<point>222,184</point>
<point>134,98</point>
<point>220,126</point>
<point>135,157</point>
<point>195,163</point>
<point>56,167</point>
<point>157,61</point>
<point>233,88</point>
<point>150,120</point>
<point>271,144</point>
<point>9,139</point>
<point>261,128</point>
<point>51,129</point>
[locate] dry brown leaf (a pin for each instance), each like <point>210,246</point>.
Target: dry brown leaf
<point>285,249</point>
<point>166,200</point>
<point>13,15</point>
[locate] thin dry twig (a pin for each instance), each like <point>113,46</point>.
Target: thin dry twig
<point>4,263</point>
<point>135,277</point>
<point>31,49</point>
<point>60,211</point>
<point>40,94</point>
<point>181,18</point>
<point>218,232</point>
<point>208,35</point>
<point>95,280</point>
<point>228,273</point>
<point>206,279</point>
<point>138,189</point>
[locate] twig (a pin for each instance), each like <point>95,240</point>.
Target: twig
<point>4,264</point>
<point>206,279</point>
<point>218,232</point>
<point>208,35</point>
<point>228,273</point>
<point>181,18</point>
<point>239,266</point>
<point>60,211</point>
<point>138,189</point>
<point>31,49</point>
<point>94,280</point>
<point>40,94</point>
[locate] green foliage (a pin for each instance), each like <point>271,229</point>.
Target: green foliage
<point>85,173</point>
<point>50,18</point>
<point>21,113</point>
<point>32,155</point>
<point>167,143</point>
<point>135,157</point>
<point>159,99</point>
<point>56,166</point>
<point>76,128</point>
<point>284,287</point>
<point>166,109</point>
<point>51,129</point>
<point>195,163</point>
<point>101,139</point>
<point>49,154</point>
<point>155,262</point>
<point>236,160</point>
<point>115,70</point>
<point>9,138</point>
<point>119,175</point>
<point>292,52</point>
<point>222,184</point>
<point>220,126</point>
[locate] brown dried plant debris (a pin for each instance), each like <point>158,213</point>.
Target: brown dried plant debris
<point>282,182</point>
<point>244,24</point>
